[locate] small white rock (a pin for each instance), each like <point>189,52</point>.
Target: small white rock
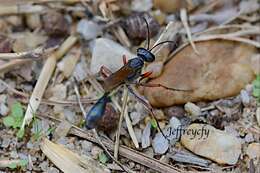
<point>244,97</point>
<point>59,91</point>
<point>135,117</point>
<point>95,152</point>
<point>192,109</point>
<point>3,109</point>
<point>80,72</point>
<point>89,29</point>
<point>141,5</point>
<point>253,150</point>
<point>249,138</point>
<point>108,53</point>
<point>2,87</point>
<point>160,144</point>
<point>172,132</point>
<point>258,116</point>
<point>146,142</point>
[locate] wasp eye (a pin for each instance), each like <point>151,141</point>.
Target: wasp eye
<point>145,54</point>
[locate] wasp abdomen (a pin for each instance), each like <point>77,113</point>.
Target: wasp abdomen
<point>96,112</point>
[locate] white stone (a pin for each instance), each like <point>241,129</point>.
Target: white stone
<point>160,144</point>
<point>192,109</point>
<point>258,116</point>
<point>217,145</point>
<point>253,150</point>
<point>245,98</point>
<point>108,53</point>
<point>146,142</point>
<point>88,29</point>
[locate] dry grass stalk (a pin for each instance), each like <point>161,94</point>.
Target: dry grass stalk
<point>69,161</point>
<point>44,78</point>
<point>124,151</point>
<point>10,65</point>
<point>32,54</point>
<point>184,20</point>
<point>21,9</point>
<point>128,124</point>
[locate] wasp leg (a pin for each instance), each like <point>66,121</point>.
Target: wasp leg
<point>145,75</point>
<point>124,59</point>
<point>163,86</point>
<point>104,71</point>
<point>147,105</point>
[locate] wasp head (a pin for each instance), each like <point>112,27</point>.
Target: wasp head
<point>145,54</point>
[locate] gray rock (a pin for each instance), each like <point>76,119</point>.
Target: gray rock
<point>160,144</point>
<point>86,146</point>
<point>146,142</point>
<point>3,109</point>
<point>141,5</point>
<point>53,170</point>
<point>135,117</point>
<point>245,98</point>
<point>108,53</point>
<point>89,29</point>
<point>6,142</point>
<point>44,166</point>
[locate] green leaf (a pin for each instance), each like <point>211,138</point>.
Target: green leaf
<point>12,165</point>
<point>17,123</point>
<point>102,157</point>
<point>9,121</point>
<point>256,87</point>
<point>23,162</point>
<point>153,123</point>
<point>20,133</point>
<point>17,110</point>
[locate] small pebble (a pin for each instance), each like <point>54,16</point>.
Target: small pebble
<point>14,154</point>
<point>5,45</point>
<point>245,97</point>
<point>253,150</point>
<point>249,138</point>
<point>54,23</point>
<point>141,6</point>
<point>135,117</point>
<point>53,170</point>
<point>192,109</point>
<point>160,144</point>
<point>146,141</point>
<point>89,29</point>
<point>95,152</point>
<point>2,87</point>
<point>6,142</point>
<point>86,146</point>
<point>108,53</point>
<point>3,109</point>
<point>33,20</point>
<point>258,116</point>
<point>44,166</point>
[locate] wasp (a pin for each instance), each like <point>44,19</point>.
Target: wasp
<point>127,74</point>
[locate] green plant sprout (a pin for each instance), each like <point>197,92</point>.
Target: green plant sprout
<point>256,88</point>
<point>102,157</point>
<point>21,163</point>
<point>15,118</point>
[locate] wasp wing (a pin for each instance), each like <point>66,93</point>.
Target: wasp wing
<point>118,78</point>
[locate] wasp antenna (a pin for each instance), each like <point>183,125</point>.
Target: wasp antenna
<point>162,43</point>
<point>148,33</point>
